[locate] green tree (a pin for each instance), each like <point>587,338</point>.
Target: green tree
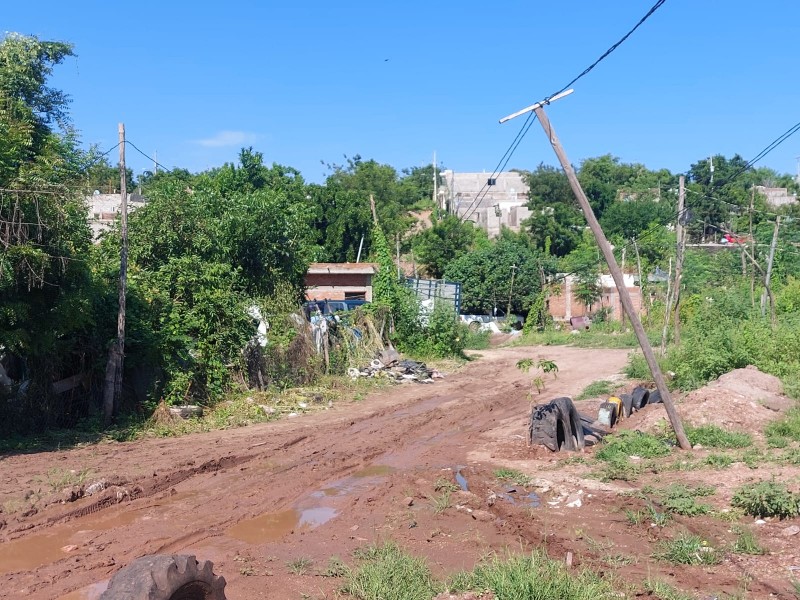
<point>446,240</point>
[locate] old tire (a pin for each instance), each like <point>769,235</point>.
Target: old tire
<point>571,422</point>
<point>654,397</point>
<point>166,577</point>
<point>627,404</point>
<point>640,395</point>
<point>543,427</point>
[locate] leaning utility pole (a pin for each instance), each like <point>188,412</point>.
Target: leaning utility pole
<point>116,359</point>
<point>608,254</point>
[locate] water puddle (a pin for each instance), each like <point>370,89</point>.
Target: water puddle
<point>462,481</point>
<point>527,500</point>
<point>30,553</point>
<point>375,471</point>
<point>269,527</point>
<point>91,592</point>
<point>314,517</point>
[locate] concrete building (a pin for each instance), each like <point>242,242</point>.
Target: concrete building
<point>777,196</point>
<point>103,210</point>
<point>340,281</point>
<point>489,202</point>
<point>564,306</point>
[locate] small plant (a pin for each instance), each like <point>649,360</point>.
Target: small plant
<point>746,542</point>
<point>659,519</point>
<point>634,517</point>
<point>680,499</point>
<point>718,461</point>
<point>300,566</point>
<point>766,499</point>
<point>632,443</point>
<point>538,383</point>
<point>712,436</point>
<point>335,568</point>
<point>548,366</point>
<point>687,549</point>
<point>442,502</point>
<point>442,484</point>
<point>387,571</point>
<point>618,468</point>
<point>58,478</point>
<point>512,475</point>
<point>596,389</point>
<point>664,591</point>
<point>787,427</point>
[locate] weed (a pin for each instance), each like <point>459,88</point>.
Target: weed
<point>687,549</point>
<point>753,458</point>
<point>548,366</point>
<point>618,468</point>
<point>787,427</point>
<point>746,542</point>
<point>442,502</point>
<point>766,499</point>
<point>446,485</point>
<point>58,478</point>
<point>680,499</point>
<point>712,436</point>
<point>596,389</point>
<point>635,517</point>
<point>300,566</point>
<point>388,572</point>
<point>631,443</point>
<point>618,560</point>
<point>775,441</point>
<point>664,591</point>
<point>531,577</point>
<point>335,568</point>
<point>512,475</point>
<point>659,519</point>
<point>718,461</point>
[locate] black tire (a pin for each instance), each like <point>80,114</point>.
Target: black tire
<point>654,397</point>
<point>474,326</point>
<point>543,427</point>
<point>165,577</point>
<point>627,404</point>
<point>571,421</point>
<point>640,395</point>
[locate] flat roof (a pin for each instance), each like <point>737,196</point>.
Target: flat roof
<point>354,268</point>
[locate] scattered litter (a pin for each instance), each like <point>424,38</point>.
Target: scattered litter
<point>399,371</point>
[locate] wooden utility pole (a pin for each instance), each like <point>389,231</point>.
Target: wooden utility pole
<point>116,359</point>
<point>681,235</point>
<point>619,280</point>
<point>752,249</point>
<point>768,276</point>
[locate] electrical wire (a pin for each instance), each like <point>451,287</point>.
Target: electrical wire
<point>531,117</point>
<point>155,162</point>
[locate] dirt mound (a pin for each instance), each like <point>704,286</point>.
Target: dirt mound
<point>742,400</point>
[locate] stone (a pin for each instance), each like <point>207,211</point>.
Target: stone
<point>408,501</point>
<point>791,530</point>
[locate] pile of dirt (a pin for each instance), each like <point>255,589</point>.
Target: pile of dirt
<point>743,400</point>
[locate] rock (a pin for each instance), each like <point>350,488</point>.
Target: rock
<point>291,415</point>
<point>69,548</point>
<point>491,498</point>
<point>97,486</point>
<point>354,528</point>
<point>574,500</point>
<point>790,531</point>
<point>466,498</point>
<point>408,501</point>
<point>268,410</point>
<point>760,522</point>
<point>302,405</point>
<point>482,515</point>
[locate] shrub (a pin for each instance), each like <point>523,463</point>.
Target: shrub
<point>766,499</point>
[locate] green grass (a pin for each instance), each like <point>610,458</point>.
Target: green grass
<point>512,475</point>
<point>663,591</point>
<point>300,566</point>
<point>441,502</point>
<point>767,499</point>
<point>712,436</point>
<point>632,443</point>
<point>718,461</point>
<point>532,577</point>
<point>386,572</point>
<point>682,500</point>
<point>687,549</point>
<point>787,427</point>
<point>597,389</point>
<point>445,485</point>
<point>746,542</point>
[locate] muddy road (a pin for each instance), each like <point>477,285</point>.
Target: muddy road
<point>271,503</point>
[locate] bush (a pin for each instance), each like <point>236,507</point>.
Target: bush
<point>766,499</point>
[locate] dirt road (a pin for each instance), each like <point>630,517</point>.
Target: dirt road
<point>271,504</point>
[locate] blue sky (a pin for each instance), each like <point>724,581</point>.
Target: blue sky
<point>305,82</point>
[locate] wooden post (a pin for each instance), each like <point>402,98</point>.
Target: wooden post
<point>768,276</point>
<point>681,241</point>
<point>116,359</point>
<point>752,249</point>
<point>625,298</point>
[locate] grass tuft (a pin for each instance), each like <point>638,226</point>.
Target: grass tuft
<point>531,577</point>
<point>597,389</point>
<point>631,443</point>
<point>746,542</point>
<point>712,436</point>
<point>512,475</point>
<point>687,549</point>
<point>387,572</point>
<point>766,499</point>
<point>787,427</point>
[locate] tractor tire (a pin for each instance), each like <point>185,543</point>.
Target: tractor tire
<point>627,404</point>
<point>640,395</point>
<point>166,577</point>
<point>654,397</point>
<point>543,427</point>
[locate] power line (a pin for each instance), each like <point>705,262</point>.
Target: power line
<point>531,117</point>
<point>155,162</point>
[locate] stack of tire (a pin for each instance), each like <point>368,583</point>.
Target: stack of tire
<point>625,405</point>
<point>556,425</point>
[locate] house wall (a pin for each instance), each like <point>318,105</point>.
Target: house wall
<point>338,286</point>
<point>565,306</point>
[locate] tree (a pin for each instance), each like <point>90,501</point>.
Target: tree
<point>555,213</point>
<point>446,240</point>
